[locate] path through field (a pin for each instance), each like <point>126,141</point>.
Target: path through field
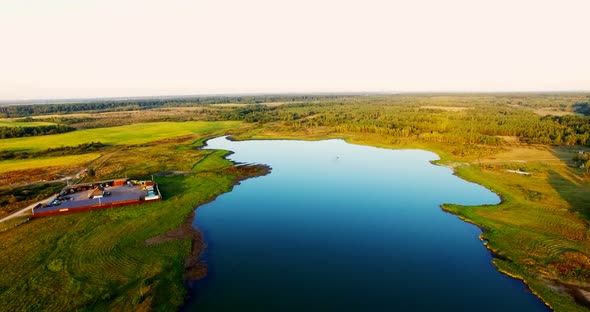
<point>20,212</point>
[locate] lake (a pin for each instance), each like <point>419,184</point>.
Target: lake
<point>343,227</point>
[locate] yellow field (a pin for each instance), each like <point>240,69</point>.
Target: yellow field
<point>130,134</point>
<point>22,164</point>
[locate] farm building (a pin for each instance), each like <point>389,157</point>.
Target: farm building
<point>99,195</point>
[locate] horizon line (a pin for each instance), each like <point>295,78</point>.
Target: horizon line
<point>72,100</point>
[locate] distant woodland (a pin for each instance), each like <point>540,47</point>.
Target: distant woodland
<point>471,119</point>
<point>11,111</point>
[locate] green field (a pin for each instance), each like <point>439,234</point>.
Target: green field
<point>131,134</point>
<point>22,164</point>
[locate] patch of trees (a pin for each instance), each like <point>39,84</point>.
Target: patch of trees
<point>582,160</point>
<point>582,108</point>
<point>46,109</point>
<point>18,132</point>
<point>58,151</point>
<point>252,113</point>
<point>65,120</point>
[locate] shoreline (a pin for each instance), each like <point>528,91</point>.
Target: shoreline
<point>194,268</point>
<point>496,255</point>
<point>571,290</point>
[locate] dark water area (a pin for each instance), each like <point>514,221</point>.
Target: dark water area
<point>342,227</point>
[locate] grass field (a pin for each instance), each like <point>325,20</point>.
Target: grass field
<point>23,164</point>
<point>130,134</point>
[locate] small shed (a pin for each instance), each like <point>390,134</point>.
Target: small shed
<point>96,193</point>
<point>119,182</point>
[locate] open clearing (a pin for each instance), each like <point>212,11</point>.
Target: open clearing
<point>552,112</point>
<point>531,153</point>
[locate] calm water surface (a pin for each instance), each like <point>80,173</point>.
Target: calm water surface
<point>343,227</point>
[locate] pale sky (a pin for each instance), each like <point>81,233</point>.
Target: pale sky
<point>113,48</point>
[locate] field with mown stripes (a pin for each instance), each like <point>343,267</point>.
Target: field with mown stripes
<point>99,259</point>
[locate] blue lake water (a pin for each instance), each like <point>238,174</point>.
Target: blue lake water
<point>342,227</point>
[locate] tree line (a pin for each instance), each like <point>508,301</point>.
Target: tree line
<point>12,111</point>
<point>17,132</point>
<point>56,151</point>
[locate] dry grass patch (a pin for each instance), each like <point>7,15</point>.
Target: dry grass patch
<point>36,163</point>
<point>447,108</point>
<point>551,111</point>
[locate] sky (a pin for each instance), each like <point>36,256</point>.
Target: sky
<point>116,48</point>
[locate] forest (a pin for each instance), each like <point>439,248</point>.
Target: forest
<point>479,122</point>
<point>582,108</point>
<point>11,111</point>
